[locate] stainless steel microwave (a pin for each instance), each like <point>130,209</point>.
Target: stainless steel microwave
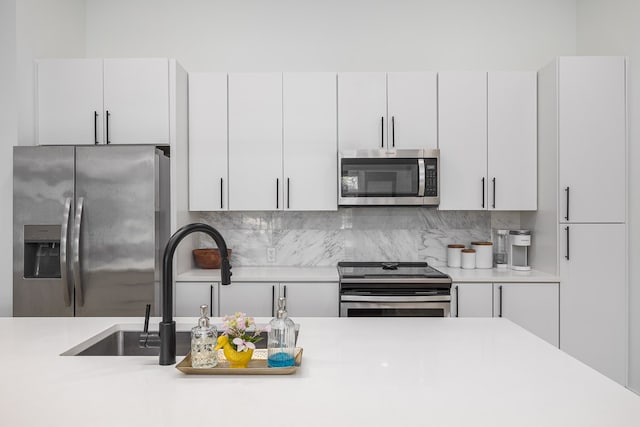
<point>389,177</point>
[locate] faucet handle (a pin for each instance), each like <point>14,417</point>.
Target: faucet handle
<point>147,313</point>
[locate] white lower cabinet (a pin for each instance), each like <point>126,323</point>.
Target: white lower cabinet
<point>310,299</point>
<point>191,295</point>
<point>254,298</point>
<point>534,306</point>
<point>472,300</point>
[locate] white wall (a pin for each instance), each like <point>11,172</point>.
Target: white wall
<point>335,35</point>
<point>44,29</point>
<point>8,138</point>
<point>610,27</point>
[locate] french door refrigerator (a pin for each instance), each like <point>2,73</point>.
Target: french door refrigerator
<point>89,227</point>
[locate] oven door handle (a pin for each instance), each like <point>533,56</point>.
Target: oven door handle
<point>407,298</point>
<point>422,177</point>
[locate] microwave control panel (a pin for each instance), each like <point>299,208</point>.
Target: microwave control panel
<point>431,177</point>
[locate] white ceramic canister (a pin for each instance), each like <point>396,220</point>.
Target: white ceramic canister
<point>468,259</point>
<point>454,255</point>
<point>484,254</point>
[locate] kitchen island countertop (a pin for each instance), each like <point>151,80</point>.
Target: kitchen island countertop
<point>355,371</point>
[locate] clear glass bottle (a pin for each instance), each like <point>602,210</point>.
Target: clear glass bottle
<point>203,341</point>
<point>281,340</point>
<point>500,248</point>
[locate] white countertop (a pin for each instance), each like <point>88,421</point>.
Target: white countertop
<point>330,274</point>
<point>459,372</point>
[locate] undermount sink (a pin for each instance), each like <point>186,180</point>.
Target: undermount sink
<point>116,341</point>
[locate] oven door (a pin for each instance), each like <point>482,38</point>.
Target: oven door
<point>393,306</point>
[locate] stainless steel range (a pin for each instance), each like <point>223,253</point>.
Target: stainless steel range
<point>393,289</point>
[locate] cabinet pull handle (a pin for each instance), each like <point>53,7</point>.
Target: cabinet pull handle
<point>567,216</point>
<point>95,127</point>
<point>108,115</point>
<point>288,194</point>
<point>494,193</point>
<point>382,132</point>
<point>500,300</point>
<point>284,290</point>
<point>393,131</point>
<point>221,197</point>
<point>483,193</point>
<point>211,300</point>
<point>273,300</point>
<point>277,193</point>
<point>567,230</point>
<point>457,302</point>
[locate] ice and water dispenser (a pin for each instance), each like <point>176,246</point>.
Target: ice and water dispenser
<point>41,251</point>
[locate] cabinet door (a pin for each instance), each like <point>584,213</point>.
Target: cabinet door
<point>310,299</point>
<point>472,300</point>
<point>255,141</point>
<point>208,142</point>
<point>191,295</point>
<point>412,102</point>
<point>534,306</point>
<point>512,140</point>
<point>69,101</point>
<point>592,138</point>
<point>310,146</point>
<point>136,101</point>
<point>593,303</point>
<point>255,299</point>
<point>362,111</point>
<point>462,117</point>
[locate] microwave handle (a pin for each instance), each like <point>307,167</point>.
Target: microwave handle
<point>422,177</point>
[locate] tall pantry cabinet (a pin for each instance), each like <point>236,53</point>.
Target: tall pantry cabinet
<point>580,224</point>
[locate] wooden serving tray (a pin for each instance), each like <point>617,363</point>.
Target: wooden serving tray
<point>257,365</point>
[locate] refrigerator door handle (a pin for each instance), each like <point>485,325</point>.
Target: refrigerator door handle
<point>64,241</point>
<point>76,252</point>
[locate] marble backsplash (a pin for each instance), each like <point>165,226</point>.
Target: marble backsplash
<point>350,234</point>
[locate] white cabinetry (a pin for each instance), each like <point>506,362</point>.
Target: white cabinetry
<point>254,298</point>
<point>412,104</point>
<point>309,144</point>
<point>512,140</point>
<point>310,299</point>
<point>69,105</point>
<point>592,139</point>
<point>112,101</point>
<point>208,176</point>
<point>136,101</point>
<point>487,140</point>
<point>394,110</point>
<point>462,115</point>
<point>534,306</point>
<point>362,107</point>
<point>593,296</point>
<point>472,300</point>
<point>191,295</point>
<point>255,141</point>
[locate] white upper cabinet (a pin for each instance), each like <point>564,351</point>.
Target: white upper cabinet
<point>136,101</point>
<point>69,104</point>
<point>462,115</point>
<point>255,141</point>
<point>592,139</point>
<point>412,102</point>
<point>512,140</point>
<point>534,306</point>
<point>110,101</point>
<point>362,110</point>
<point>309,145</point>
<point>208,176</point>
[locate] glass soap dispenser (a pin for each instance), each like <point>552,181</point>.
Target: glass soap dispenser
<point>281,340</point>
<point>203,341</point>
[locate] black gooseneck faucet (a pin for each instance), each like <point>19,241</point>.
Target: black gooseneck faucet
<point>167,330</point>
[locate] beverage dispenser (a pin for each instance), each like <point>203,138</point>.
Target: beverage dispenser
<point>519,242</point>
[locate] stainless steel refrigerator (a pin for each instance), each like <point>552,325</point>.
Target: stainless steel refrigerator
<point>89,228</point>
